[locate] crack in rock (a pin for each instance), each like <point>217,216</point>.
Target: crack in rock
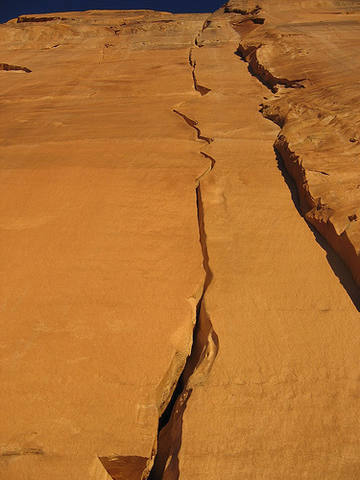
<point>255,11</point>
<point>7,67</point>
<point>205,344</point>
<point>25,19</point>
<point>176,387</point>
<point>249,55</point>
<point>194,125</point>
<point>192,62</point>
<point>314,210</point>
<point>198,365</point>
<point>199,88</point>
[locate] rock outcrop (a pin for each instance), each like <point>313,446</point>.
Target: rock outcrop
<point>310,49</point>
<point>180,274</point>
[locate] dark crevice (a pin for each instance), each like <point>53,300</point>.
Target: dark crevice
<point>202,233</point>
<point>7,67</point>
<point>257,70</point>
<point>258,20</point>
<point>353,218</point>
<point>336,263</point>
<point>209,157</point>
<point>199,88</point>
<point>254,11</point>
<point>198,365</point>
<point>317,171</point>
<point>207,24</point>
<point>288,163</point>
<point>193,124</point>
<point>205,345</point>
<point>38,19</point>
<point>165,417</point>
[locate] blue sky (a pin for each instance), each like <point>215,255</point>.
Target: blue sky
<point>13,8</point>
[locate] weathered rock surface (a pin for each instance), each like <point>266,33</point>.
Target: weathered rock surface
<point>311,49</point>
<point>165,306</point>
<point>101,264</point>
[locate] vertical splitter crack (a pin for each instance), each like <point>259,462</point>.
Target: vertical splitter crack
<point>198,365</point>
<point>204,347</point>
<point>199,88</point>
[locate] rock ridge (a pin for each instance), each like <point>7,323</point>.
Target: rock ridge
<point>332,215</point>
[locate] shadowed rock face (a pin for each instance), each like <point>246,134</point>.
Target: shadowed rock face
<point>180,274</point>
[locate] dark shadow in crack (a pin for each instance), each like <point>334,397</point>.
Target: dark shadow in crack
<point>205,346</point>
<point>165,417</point>
<point>239,53</point>
<point>170,438</point>
<point>166,465</point>
<point>7,67</point>
<point>264,76</point>
<point>203,237</point>
<point>337,265</point>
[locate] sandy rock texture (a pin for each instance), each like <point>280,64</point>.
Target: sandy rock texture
<point>101,263</point>
<point>306,54</point>
<point>179,214</point>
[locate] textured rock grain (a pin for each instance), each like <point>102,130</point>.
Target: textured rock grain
<point>101,262</point>
<point>166,309</point>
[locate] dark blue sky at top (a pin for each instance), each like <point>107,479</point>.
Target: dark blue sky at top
<point>12,8</point>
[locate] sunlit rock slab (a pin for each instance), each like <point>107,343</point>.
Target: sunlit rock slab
<point>101,266</point>
<point>281,401</point>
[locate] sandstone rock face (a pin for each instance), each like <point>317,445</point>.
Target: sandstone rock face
<point>168,312</point>
<point>309,51</point>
